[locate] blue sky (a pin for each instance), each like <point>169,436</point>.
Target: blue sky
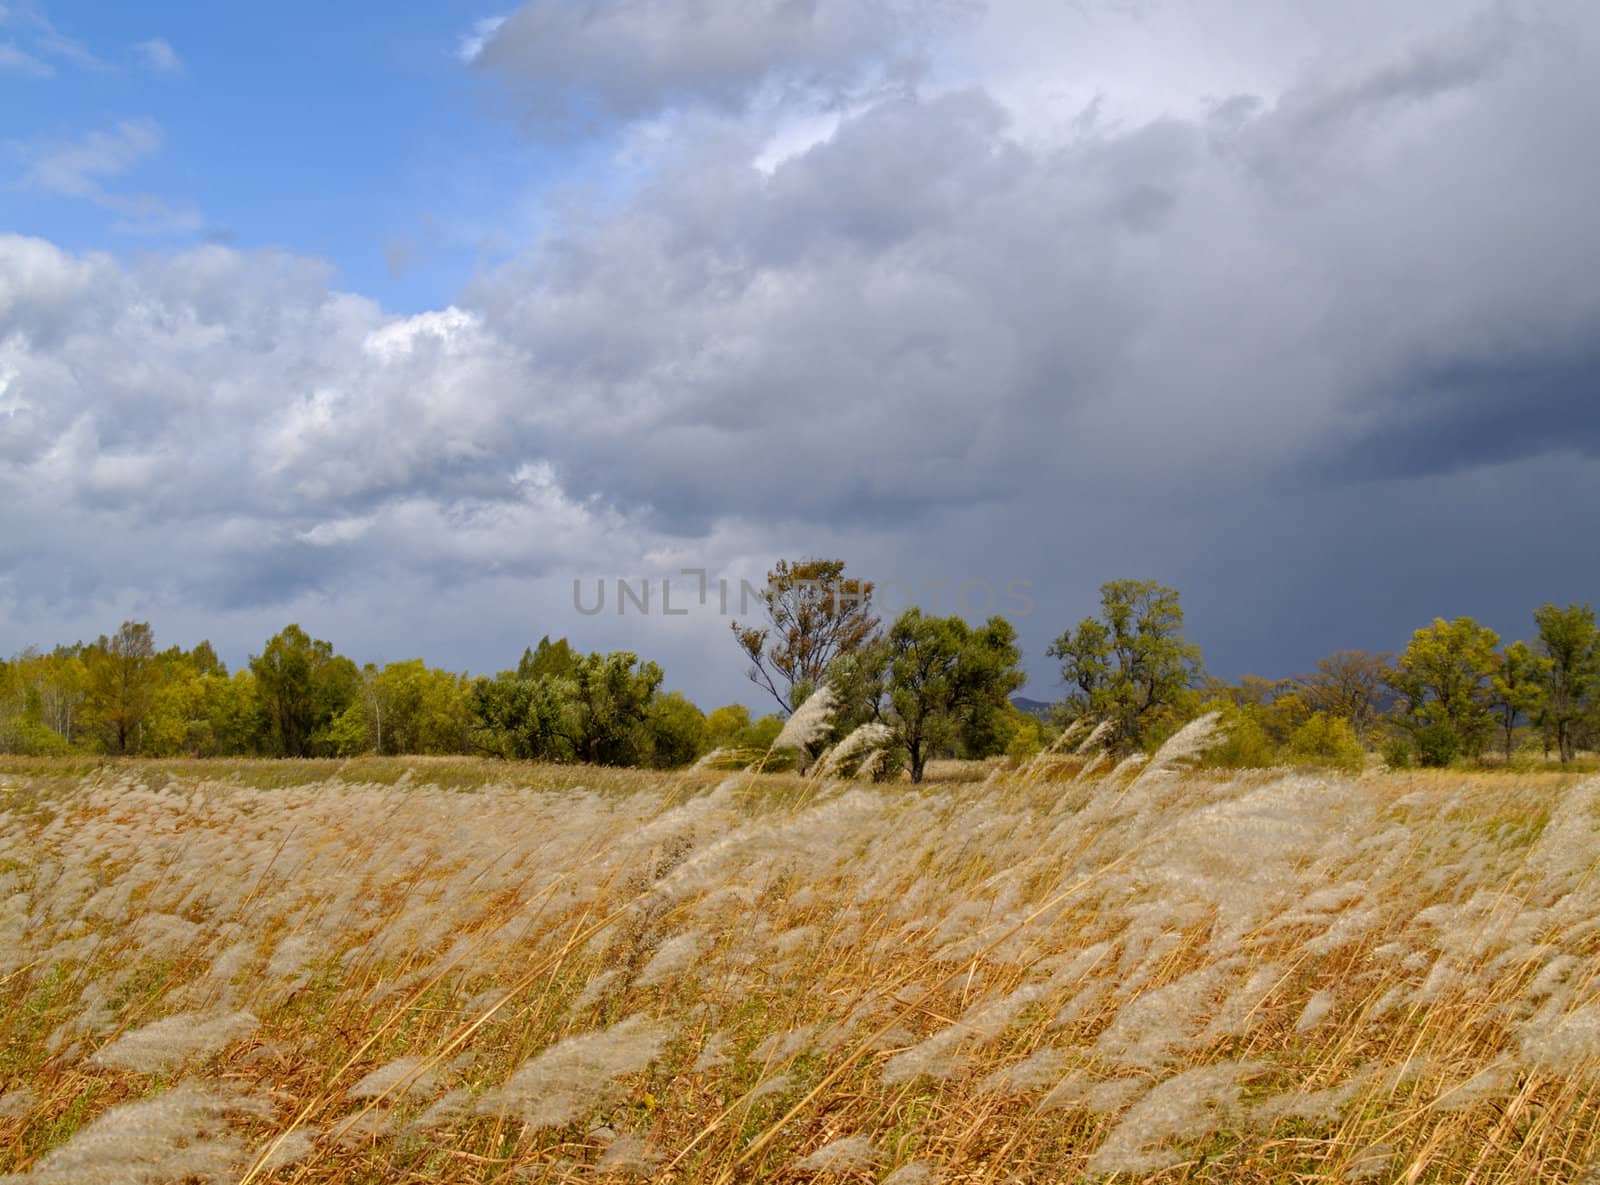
<point>352,132</point>
<point>304,316</point>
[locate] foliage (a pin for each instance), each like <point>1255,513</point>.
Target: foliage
<point>814,616</point>
<point>1443,686</point>
<point>1326,739</point>
<point>677,730</point>
<point>120,686</point>
<point>1350,685</point>
<point>1451,694</point>
<point>1026,742</point>
<point>405,707</point>
<point>557,706</point>
<point>1131,665</point>
<point>933,680</point>
<point>1398,752</point>
<point>1519,689</point>
<point>1570,643</point>
<point>303,687</point>
<point>1245,743</point>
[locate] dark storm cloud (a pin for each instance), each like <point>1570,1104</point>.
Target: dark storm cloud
<point>1451,416</point>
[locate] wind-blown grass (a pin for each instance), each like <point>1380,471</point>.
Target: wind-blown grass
<point>508,974</point>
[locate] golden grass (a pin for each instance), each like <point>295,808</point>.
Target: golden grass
<point>449,970</point>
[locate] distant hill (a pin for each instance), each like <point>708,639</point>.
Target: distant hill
<point>1033,707</point>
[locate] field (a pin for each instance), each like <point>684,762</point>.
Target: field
<point>390,971</point>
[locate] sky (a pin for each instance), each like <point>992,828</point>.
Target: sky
<point>425,325</point>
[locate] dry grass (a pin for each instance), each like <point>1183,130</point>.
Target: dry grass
<point>447,970</point>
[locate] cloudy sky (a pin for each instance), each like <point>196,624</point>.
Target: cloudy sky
<point>396,320</point>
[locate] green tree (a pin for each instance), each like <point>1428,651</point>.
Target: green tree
<point>725,726</point>
<point>121,680</point>
<point>1326,739</point>
<point>677,730</point>
<point>519,719</point>
<point>551,660</point>
<point>1131,665</point>
<point>239,726</point>
<point>815,614</point>
<point>608,705</point>
<point>409,707</point>
<point>595,708</point>
<point>26,723</point>
<point>1246,741</point>
<point>1570,642</point>
<point>43,692</point>
<point>302,686</point>
<point>1442,684</point>
<point>1517,688</point>
<point>943,677</point>
<point>1025,742</point>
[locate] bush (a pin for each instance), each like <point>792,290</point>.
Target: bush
<point>1025,742</point>
<point>1246,744</point>
<point>1328,740</point>
<point>29,738</point>
<point>1397,753</point>
<point>1438,745</point>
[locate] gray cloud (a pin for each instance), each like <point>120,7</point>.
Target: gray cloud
<point>625,58</point>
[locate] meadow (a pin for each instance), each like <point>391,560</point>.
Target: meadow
<point>410,970</point>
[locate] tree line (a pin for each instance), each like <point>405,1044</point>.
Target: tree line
<point>929,687</point>
<point>119,695</point>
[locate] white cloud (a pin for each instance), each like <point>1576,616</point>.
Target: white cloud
<point>14,60</point>
<point>78,169</point>
<point>158,56</point>
<point>41,44</point>
<point>471,43</point>
<point>81,169</point>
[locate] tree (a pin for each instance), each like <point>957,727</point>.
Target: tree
<point>121,678</point>
<point>608,708</point>
<point>1443,689</point>
<point>39,697</point>
<point>1132,665</point>
<point>943,677</point>
<point>302,686</point>
<point>1517,688</point>
<point>237,721</point>
<point>409,707</point>
<point>558,706</point>
<point>552,660</point>
<point>518,719</point>
<point>677,730</point>
<point>814,616</point>
<point>725,726</point>
<point>1327,739</point>
<point>1569,640</point>
<point>1348,684</point>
